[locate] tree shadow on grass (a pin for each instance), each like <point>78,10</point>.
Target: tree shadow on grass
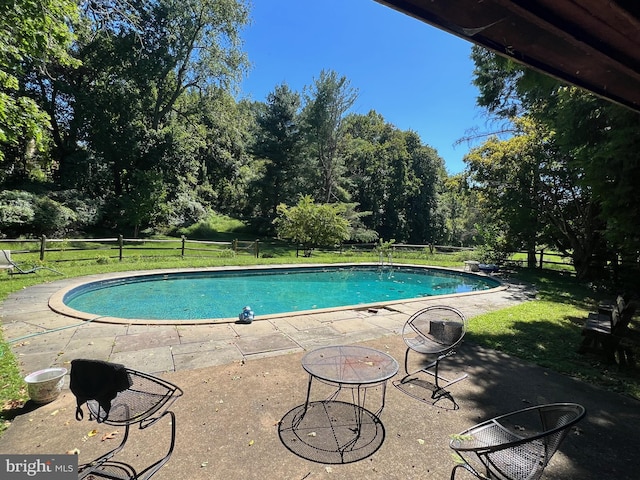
<point>555,346</point>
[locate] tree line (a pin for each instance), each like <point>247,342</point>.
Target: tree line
<point>124,116</point>
<point>138,129</point>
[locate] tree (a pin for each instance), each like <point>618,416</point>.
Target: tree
<point>279,142</point>
<point>153,73</point>
<point>600,141</point>
<point>458,206</point>
<point>421,183</point>
<point>507,173</point>
<point>327,102</point>
<point>588,173</point>
<point>33,35</point>
<point>395,177</point>
<point>312,225</point>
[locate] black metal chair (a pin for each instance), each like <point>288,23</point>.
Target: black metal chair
<point>133,399</point>
<point>517,445</point>
<point>433,332</point>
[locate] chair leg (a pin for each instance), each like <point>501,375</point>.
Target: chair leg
<point>152,469</point>
<point>89,468</point>
<point>469,469</point>
<point>453,472</point>
<point>427,369</point>
<point>94,468</point>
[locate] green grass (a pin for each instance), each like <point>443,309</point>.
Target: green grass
<point>545,331</point>
<point>13,392</point>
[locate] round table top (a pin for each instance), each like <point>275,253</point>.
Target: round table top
<point>352,365</point>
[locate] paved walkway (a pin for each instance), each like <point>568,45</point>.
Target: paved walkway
<point>241,382</point>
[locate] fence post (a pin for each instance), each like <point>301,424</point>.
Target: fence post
<point>234,245</point>
<point>184,239</point>
<point>257,248</point>
<point>541,255</point>
<point>43,246</point>
<point>120,246</point>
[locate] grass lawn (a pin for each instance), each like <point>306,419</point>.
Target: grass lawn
<point>545,331</point>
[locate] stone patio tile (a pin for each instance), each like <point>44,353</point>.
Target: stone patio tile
<point>15,306</point>
<point>135,329</point>
<point>265,343</point>
<point>194,333</point>
<point>412,307</point>
<point>16,330</point>
<point>95,330</point>
<point>295,324</point>
<point>313,337</point>
<point>204,358</point>
<point>392,323</point>
<point>210,346</point>
<point>332,316</point>
<point>149,339</point>
<point>260,327</point>
<point>47,319</point>
<point>148,360</point>
<point>363,336</point>
<point>36,361</point>
<point>99,348</point>
<point>355,325</point>
<point>273,353</point>
<point>45,342</point>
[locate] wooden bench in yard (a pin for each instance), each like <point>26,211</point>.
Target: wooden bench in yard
<point>605,332</point>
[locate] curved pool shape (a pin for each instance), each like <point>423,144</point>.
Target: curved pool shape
<point>217,294</point>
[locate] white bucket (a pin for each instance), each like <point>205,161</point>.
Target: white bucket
<point>44,386</point>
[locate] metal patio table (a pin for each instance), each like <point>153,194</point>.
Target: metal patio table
<point>354,367</point>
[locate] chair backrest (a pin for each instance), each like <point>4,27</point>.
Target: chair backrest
<point>118,395</point>
<point>537,432</point>
<point>144,402</point>
<point>5,259</point>
<point>435,329</point>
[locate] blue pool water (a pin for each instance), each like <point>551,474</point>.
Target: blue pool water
<point>223,294</point>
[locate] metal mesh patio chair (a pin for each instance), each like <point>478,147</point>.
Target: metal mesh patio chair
<point>122,397</point>
<point>13,268</point>
<point>433,332</point>
<point>517,445</point>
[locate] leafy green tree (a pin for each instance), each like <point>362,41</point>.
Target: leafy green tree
<point>507,174</point>
<point>279,142</point>
<point>369,165</point>
<point>395,177</point>
<point>312,225</point>
<point>327,102</point>
<point>589,147</point>
<point>600,141</point>
<point>151,98</point>
<point>421,183</point>
<point>33,35</point>
<point>457,205</point>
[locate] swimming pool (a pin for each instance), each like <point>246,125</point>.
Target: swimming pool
<point>218,294</point>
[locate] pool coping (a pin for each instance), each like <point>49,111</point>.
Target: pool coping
<point>57,304</point>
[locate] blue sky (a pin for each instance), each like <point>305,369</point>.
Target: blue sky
<point>415,75</point>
